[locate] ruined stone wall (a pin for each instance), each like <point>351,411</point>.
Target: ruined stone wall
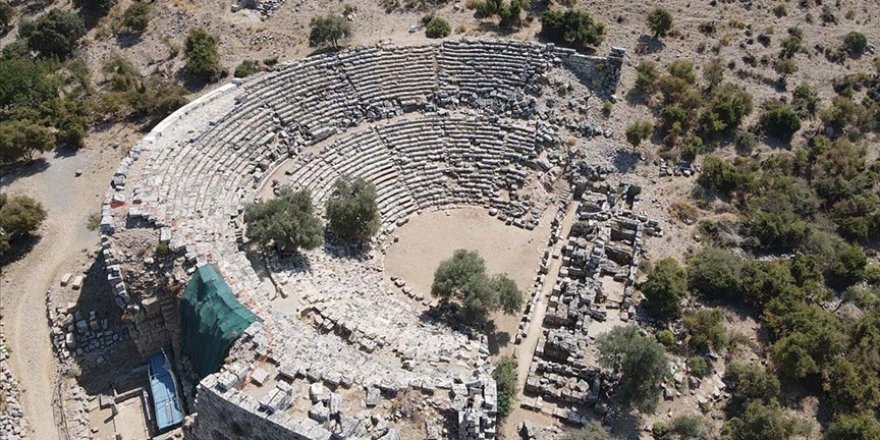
<point>232,415</point>
<point>599,74</point>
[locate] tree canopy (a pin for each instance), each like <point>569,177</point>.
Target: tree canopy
<point>329,29</point>
<point>505,376</point>
<point>664,289</point>
<point>352,211</point>
<point>19,216</point>
<point>660,21</point>
<point>54,34</point>
<point>641,363</point>
<point>572,28</point>
<point>760,422</point>
<point>287,222</point>
<point>202,57</point>
<point>463,278</point>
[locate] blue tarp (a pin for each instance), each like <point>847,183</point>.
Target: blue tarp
<point>166,404</point>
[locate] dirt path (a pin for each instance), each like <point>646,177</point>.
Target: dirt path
<point>68,201</point>
<point>527,347</point>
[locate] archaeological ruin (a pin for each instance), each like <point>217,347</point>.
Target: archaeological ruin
<point>322,345</point>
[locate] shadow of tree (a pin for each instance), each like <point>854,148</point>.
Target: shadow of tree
<point>13,171</point>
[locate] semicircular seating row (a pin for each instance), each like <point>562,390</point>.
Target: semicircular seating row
<point>425,163</point>
<point>218,170</point>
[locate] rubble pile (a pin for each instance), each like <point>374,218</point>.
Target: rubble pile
<point>12,423</point>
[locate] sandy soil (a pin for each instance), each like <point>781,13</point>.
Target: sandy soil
<point>433,237</point>
<point>64,237</point>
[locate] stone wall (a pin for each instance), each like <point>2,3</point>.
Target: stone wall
<point>599,74</point>
<point>232,415</point>
<point>12,423</point>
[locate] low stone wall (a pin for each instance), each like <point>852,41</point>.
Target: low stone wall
<point>12,423</point>
<point>599,74</point>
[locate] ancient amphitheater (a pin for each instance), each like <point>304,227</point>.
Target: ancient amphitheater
<point>337,352</point>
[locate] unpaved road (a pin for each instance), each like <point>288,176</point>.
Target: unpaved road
<point>68,201</point>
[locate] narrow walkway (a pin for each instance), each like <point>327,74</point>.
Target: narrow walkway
<point>526,349</point>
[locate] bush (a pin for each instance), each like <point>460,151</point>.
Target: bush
<point>99,8</point>
<point>780,121</point>
<point>352,211</point>
<point>716,274</point>
<point>329,29</point>
<point>698,366</point>
<point>437,28</point>
<point>849,390</point>
<point>463,278</point>
<point>202,58</point>
<point>713,74</point>
<point>571,28</point>
<point>641,362</point>
<point>53,35</point>
<point>727,107</point>
<point>287,222</point>
<point>137,17</point>
<point>646,82</point>
<point>660,22</point>
<point>805,100</point>
<point>688,427</point>
<point>760,421</point>
<point>719,175</point>
<point>792,44</point>
<point>638,131</point>
<point>855,43</point>
<point>745,141</point>
<point>664,289</point>
<point>751,383</point>
<point>861,426</point>
<point>246,68</point>
<point>19,217</point>
<point>591,431</point>
<point>666,337</point>
<point>505,380</point>
<point>21,139</point>
<point>706,330</point>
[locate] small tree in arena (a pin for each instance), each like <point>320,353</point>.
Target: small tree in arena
<point>287,222</point>
<point>463,279</point>
<point>329,29</point>
<point>352,211</point>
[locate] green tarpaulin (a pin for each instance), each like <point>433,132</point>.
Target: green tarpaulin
<point>211,320</point>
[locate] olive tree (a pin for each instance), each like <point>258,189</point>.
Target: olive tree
<point>329,29</point>
<point>352,211</point>
<point>641,363</point>
<point>463,279</point>
<point>287,222</point>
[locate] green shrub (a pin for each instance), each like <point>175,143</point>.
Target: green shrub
<point>638,132</point>
<point>792,44</point>
<point>760,421</point>
<point>646,81</point>
<point>855,43</point>
<point>96,7</point>
<point>571,28</point>
<point>437,28</point>
<point>688,427</point>
<point>666,337</point>
<point>19,216</point>
<point>745,141</point>
<point>137,17</point>
<point>660,22</point>
<point>861,426</point>
<point>664,289</point>
<point>162,250</point>
<point>716,274</point>
<point>328,29</point>
<point>246,68</point>
<point>202,57</point>
<point>719,175</point>
<point>54,34</point>
<point>713,73</point>
<point>780,121</point>
<point>805,100</point>
<point>505,380</point>
<point>727,107</point>
<point>20,139</point>
<point>698,366</point>
<point>706,330</point>
<point>751,383</point>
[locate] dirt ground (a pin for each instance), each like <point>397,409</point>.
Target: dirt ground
<point>432,237</point>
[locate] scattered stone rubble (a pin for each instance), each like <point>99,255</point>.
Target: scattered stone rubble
<point>12,423</point>
<point>459,123</point>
